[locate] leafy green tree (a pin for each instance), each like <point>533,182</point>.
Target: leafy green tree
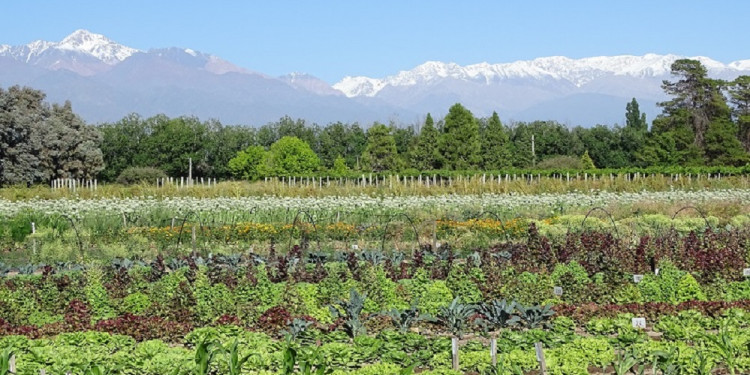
<point>40,143</point>
<point>250,163</point>
<point>380,153</point>
<point>459,144</point>
<point>21,109</point>
<point>71,148</point>
<point>220,145</point>
<point>424,154</point>
<point>603,144</point>
<point>123,145</point>
<point>496,151</point>
<point>291,156</point>
<point>339,167</point>
<point>334,141</point>
<point>173,142</point>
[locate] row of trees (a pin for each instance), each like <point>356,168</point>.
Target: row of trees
<point>706,121</point>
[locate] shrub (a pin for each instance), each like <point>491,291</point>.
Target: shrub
<point>137,175</point>
<point>560,162</point>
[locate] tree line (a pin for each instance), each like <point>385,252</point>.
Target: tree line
<point>705,122</point>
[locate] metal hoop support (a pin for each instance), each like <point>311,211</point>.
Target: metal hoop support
<point>385,229</point>
<point>312,221</point>
<point>611,219</point>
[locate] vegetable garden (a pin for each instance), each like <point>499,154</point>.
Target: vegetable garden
<point>569,283</point>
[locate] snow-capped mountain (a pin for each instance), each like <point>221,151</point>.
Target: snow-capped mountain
<point>106,80</point>
<point>584,91</point>
<point>558,68</point>
<point>78,52</point>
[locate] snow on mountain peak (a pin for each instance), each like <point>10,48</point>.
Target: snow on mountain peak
<point>96,45</point>
<point>579,72</point>
<point>80,41</point>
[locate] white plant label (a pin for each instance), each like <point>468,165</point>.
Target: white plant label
<point>355,247</point>
<point>639,323</point>
<point>637,278</point>
<point>558,290</point>
<point>656,271</point>
<point>746,272</point>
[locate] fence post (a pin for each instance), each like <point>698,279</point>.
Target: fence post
<point>454,352</point>
<point>540,358</point>
<point>493,350</point>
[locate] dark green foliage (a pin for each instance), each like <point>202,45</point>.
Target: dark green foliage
<point>635,131</point>
<point>722,145</point>
<point>39,143</point>
<point>351,313</point>
<point>455,316</point>
<point>380,153</point>
<point>424,154</point>
<point>739,97</point>
<point>496,148</point>
<point>459,143</point>
<point>497,314</point>
<point>137,175</point>
<point>535,316</point>
<point>405,319</point>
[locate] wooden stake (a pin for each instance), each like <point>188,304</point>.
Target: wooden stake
<point>540,358</point>
<point>493,350</point>
<point>454,352</point>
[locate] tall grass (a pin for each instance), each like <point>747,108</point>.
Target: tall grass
<point>388,186</point>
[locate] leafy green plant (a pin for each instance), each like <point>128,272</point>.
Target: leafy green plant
<point>234,360</point>
<point>455,316</point>
<point>721,344</point>
<point>5,358</point>
<point>407,318</point>
<point>204,357</point>
<point>536,316</point>
<point>497,314</point>
<point>351,313</point>
<point>296,327</point>
<point>624,362</point>
<point>289,364</point>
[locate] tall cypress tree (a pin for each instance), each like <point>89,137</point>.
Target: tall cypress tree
<point>634,132</point>
<point>496,150</point>
<point>424,155</point>
<point>460,145</point>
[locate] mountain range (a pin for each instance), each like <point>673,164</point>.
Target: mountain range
<point>105,81</point>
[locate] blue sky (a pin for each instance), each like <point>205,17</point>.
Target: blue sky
<point>332,39</point>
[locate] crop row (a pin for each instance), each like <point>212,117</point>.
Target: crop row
<point>182,206</point>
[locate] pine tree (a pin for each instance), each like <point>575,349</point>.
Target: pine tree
<point>424,154</point>
<point>722,145</point>
<point>380,153</point>
<point>496,150</point>
<point>586,161</point>
<point>739,93</point>
<point>460,145</point>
